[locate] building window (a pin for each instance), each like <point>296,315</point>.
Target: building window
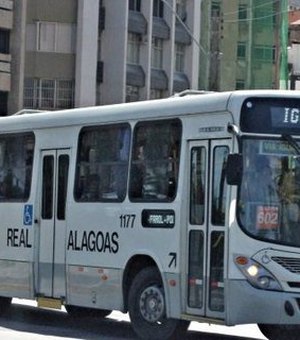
<point>46,32</point>
<point>215,9</point>
<point>64,94</point>
<point>47,90</point>
<point>157,53</point>
<point>241,50</point>
<point>240,84</point>
<point>4,41</point>
<point>181,9</point>
<point>242,12</point>
<point>133,48</point>
<point>54,37</point>
<point>179,57</point>
<point>264,53</point>
<point>3,103</point>
<point>48,94</point>
<point>158,8</point>
<point>132,93</point>
<point>156,94</point>
<point>135,5</point>
<point>265,16</point>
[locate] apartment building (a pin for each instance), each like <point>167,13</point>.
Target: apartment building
<point>244,44</point>
<point>155,54</point>
<point>6,25</point>
<point>72,53</point>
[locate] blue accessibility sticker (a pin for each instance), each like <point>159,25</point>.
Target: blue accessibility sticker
<point>28,214</point>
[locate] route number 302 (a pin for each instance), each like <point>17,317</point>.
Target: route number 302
<point>127,220</point>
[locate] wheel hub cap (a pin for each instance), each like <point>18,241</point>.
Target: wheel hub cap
<point>152,304</point>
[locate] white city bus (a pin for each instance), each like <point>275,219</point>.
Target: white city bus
<point>174,210</point>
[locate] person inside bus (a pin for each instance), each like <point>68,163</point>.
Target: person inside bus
<point>290,201</point>
<point>258,184</point>
<point>92,188</point>
<point>137,172</point>
<point>259,192</point>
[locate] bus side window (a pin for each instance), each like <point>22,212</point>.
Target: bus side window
<point>102,163</point>
<point>155,161</point>
<point>219,185</point>
<point>16,158</point>
<point>198,180</point>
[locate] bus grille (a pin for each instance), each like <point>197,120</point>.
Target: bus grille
<point>292,264</point>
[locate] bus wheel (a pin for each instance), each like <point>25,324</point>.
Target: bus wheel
<point>79,312</point>
<point>280,332</point>
<point>147,310</point>
<point>5,303</point>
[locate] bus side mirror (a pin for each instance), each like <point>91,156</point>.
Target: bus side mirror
<point>234,169</point>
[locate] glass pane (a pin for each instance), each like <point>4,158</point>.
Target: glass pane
<point>198,179</point>
<point>16,157</point>
<point>155,161</point>
<point>216,287</point>
<point>102,163</point>
<point>219,186</point>
<point>63,171</point>
<point>269,194</point>
<point>65,94</point>
<point>46,33</point>
<point>47,191</point>
<point>47,93</point>
<point>195,278</point>
<point>133,48</point>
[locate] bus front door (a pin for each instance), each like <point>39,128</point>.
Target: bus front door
<point>53,196</point>
<point>206,228</point>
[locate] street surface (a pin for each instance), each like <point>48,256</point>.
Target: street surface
<point>26,322</point>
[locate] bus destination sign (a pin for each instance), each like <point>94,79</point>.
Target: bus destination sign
<point>158,218</point>
<point>271,115</point>
<point>285,117</point>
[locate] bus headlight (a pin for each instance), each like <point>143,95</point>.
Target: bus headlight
<point>257,275</point>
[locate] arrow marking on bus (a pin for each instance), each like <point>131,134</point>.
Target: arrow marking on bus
<point>173,260</point>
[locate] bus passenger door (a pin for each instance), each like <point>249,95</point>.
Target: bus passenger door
<point>51,266</point>
<point>206,228</point>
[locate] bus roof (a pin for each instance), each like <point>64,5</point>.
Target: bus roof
<point>153,109</point>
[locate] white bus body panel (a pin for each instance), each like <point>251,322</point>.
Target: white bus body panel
<point>95,247</point>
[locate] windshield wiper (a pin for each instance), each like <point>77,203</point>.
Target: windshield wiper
<point>292,142</point>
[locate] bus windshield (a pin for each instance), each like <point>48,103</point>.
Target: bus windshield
<point>269,194</point>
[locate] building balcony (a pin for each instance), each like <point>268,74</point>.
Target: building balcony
<point>6,14</point>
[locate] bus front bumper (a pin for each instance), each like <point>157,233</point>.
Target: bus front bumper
<point>246,304</point>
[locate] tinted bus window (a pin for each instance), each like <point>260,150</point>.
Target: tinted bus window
<point>102,163</point>
<point>16,158</point>
<point>63,171</point>
<point>47,191</point>
<point>198,180</point>
<point>219,186</point>
<point>155,161</point>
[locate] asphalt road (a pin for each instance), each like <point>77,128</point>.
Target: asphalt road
<point>26,322</point>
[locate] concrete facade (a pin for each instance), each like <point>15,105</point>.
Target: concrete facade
<point>241,44</point>
<point>74,53</point>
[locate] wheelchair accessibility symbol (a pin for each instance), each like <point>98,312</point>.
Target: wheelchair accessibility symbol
<point>28,213</point>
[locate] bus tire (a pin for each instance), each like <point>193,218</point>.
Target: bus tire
<point>280,332</point>
<point>79,312</point>
<point>5,303</point>
<point>146,304</point>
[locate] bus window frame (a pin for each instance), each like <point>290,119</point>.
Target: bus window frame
<point>99,128</point>
<point>134,158</point>
<point>27,191</point>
